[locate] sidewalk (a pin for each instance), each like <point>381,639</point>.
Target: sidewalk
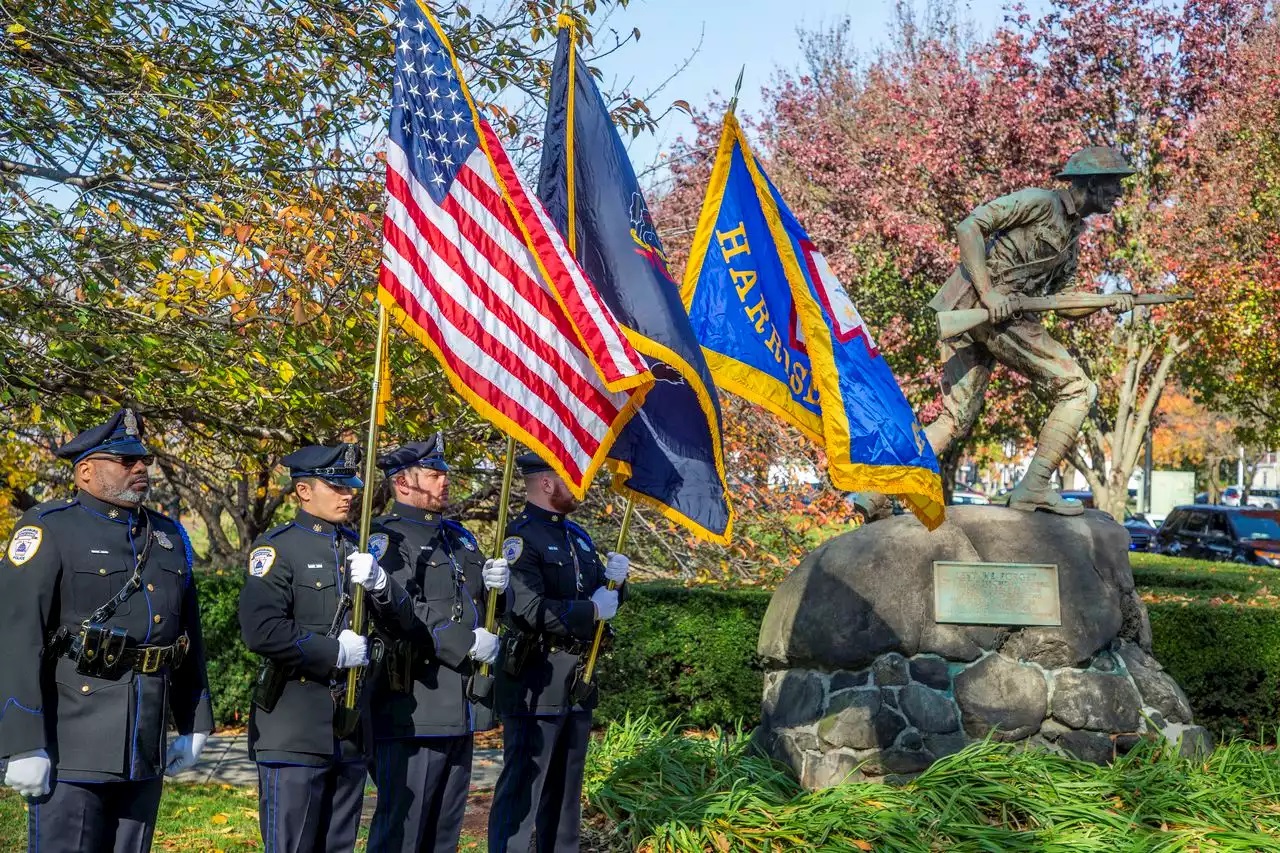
<point>226,760</point>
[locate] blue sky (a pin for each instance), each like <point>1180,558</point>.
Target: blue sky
<point>760,33</point>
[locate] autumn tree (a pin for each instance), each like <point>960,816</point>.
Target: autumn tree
<point>191,196</point>
<point>881,157</point>
<point>1228,222</point>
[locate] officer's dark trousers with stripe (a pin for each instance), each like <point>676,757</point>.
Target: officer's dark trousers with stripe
<point>422,794</point>
<point>94,817</point>
<point>537,805</point>
<point>310,809</point>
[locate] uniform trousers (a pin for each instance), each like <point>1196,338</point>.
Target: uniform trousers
<point>310,809</point>
<point>422,793</point>
<point>537,805</point>
<point>94,817</point>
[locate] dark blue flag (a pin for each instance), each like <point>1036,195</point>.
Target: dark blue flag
<point>670,455</point>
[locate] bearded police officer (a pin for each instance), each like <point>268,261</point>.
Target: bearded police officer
<point>294,610</point>
<point>428,703</point>
<point>557,595</point>
<point>99,615</point>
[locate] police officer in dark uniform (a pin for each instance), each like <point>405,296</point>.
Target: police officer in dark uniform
<point>99,614</point>
<point>425,710</point>
<point>557,595</point>
<point>294,611</point>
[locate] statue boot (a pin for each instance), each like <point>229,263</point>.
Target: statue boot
<point>1033,491</point>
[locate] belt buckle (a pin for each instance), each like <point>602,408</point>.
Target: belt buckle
<point>150,659</point>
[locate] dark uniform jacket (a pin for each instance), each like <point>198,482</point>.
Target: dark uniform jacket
<point>297,576</point>
<point>554,570</point>
<point>439,563</point>
<point>66,559</point>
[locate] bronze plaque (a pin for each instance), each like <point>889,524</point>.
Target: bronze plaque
<point>996,593</point>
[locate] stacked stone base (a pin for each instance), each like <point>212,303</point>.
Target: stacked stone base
<point>864,682</point>
<point>899,715</point>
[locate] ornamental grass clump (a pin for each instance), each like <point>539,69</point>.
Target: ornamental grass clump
<point>660,789</point>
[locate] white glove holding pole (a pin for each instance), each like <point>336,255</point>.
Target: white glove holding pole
<point>353,650</point>
<point>616,568</point>
<point>28,773</point>
<point>185,751</point>
<point>363,569</point>
<point>485,647</point>
<point>606,602</point>
<point>496,574</point>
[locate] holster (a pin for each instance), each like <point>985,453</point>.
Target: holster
<point>399,666</point>
<point>101,650</point>
<point>516,649</point>
<point>269,686</point>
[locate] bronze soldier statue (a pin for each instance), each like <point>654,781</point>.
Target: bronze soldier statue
<point>1025,244</point>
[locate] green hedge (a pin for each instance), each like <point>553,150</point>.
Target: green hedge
<point>691,652</point>
<point>232,667</point>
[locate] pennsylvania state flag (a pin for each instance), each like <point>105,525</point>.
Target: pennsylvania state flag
<point>669,456</point>
<point>778,329</point>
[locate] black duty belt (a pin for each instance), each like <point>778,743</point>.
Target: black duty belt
<point>148,660</point>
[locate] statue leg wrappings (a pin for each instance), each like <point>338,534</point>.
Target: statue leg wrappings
<point>1028,348</point>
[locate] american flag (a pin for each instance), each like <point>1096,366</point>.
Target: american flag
<point>473,267</point>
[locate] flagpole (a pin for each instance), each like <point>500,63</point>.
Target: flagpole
<point>566,20</point>
<point>504,503</point>
<point>366,497</point>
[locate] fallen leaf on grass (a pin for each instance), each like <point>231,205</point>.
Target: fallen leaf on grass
<point>219,818</point>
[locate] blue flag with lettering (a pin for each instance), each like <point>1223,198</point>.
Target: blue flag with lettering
<point>779,329</point>
<point>669,456</point>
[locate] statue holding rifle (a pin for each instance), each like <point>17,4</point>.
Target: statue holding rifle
<point>1018,253</point>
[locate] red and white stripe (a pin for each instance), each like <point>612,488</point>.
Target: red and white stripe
<point>461,272</point>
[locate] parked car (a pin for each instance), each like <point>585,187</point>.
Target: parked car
<point>1234,534</point>
<point>965,496</point>
<point>1141,531</point>
<point>1265,498</point>
<point>1085,498</point>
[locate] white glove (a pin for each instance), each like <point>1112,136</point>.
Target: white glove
<point>485,647</point>
<point>616,568</point>
<point>185,752</point>
<point>364,570</point>
<point>606,602</point>
<point>353,650</point>
<point>496,574</point>
<point>28,773</point>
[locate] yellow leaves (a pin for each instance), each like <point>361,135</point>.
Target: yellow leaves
<point>220,818</point>
<point>179,254</point>
<point>285,371</point>
<point>14,29</point>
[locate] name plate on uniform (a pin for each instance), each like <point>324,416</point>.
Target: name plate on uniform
<point>996,593</point>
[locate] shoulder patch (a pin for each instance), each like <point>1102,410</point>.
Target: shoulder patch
<point>512,548</point>
<point>261,561</point>
<point>468,541</point>
<point>581,537</point>
<point>378,545</point>
<point>24,544</point>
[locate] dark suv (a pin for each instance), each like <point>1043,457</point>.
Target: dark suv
<point>1235,534</point>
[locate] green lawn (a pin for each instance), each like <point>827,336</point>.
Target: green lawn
<point>192,818</point>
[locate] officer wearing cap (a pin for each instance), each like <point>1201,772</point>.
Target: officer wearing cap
<point>294,612</point>
<point>99,612</point>
<point>1025,243</point>
<point>558,592</point>
<point>428,704</point>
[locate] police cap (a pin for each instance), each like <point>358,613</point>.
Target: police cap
<point>337,465</point>
<point>421,454</point>
<point>120,436</point>
<point>530,464</point>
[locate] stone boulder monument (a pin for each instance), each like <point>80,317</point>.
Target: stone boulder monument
<point>865,676</point>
